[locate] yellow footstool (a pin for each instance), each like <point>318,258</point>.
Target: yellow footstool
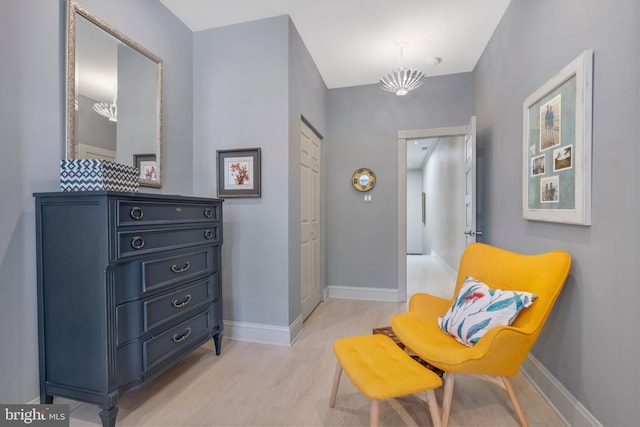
<point>382,370</point>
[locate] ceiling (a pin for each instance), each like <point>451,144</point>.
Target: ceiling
<point>417,150</point>
<point>355,42</point>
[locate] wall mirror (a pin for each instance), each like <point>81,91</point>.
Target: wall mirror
<point>114,97</point>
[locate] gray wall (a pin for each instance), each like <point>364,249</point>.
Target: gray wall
<point>32,123</point>
<point>252,83</point>
<point>364,121</point>
<point>240,101</point>
<point>307,100</point>
<point>591,341</point>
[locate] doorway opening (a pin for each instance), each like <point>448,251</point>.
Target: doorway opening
<point>435,213</point>
<point>433,190</point>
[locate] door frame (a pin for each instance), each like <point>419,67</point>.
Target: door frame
<point>403,136</point>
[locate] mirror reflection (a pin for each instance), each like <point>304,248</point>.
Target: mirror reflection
<point>363,179</point>
<point>114,105</point>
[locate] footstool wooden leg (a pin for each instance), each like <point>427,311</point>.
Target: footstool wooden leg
<point>374,420</point>
<point>336,382</point>
<point>432,403</point>
<point>449,381</point>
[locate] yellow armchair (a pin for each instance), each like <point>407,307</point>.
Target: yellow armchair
<point>500,352</point>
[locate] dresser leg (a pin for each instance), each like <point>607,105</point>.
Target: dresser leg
<point>108,416</point>
<point>46,399</point>
<point>217,340</point>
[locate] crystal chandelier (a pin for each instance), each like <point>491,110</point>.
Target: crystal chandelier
<point>401,81</point>
<point>110,111</point>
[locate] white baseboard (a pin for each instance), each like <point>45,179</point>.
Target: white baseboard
<point>362,293</point>
<point>452,272</point>
<point>296,329</point>
<point>565,404</point>
<point>263,333</point>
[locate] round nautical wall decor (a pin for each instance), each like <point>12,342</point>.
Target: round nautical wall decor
<point>363,179</point>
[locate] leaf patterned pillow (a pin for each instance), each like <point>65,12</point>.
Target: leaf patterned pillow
<point>478,308</point>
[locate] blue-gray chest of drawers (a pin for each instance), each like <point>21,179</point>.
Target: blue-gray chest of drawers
<point>128,284</point>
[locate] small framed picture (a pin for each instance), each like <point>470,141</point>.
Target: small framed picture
<point>538,165</point>
<point>562,158</point>
<point>238,173</point>
<point>147,165</point>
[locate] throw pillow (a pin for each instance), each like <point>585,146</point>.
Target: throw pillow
<point>478,308</point>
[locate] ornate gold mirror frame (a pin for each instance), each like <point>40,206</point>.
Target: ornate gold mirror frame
<point>145,158</point>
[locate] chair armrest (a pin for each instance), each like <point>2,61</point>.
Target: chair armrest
<point>428,306</point>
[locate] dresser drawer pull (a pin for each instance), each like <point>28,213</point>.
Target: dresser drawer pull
<point>185,267</point>
<point>136,213</point>
<point>208,234</point>
<point>137,242</point>
<point>180,338</point>
<point>208,212</point>
<point>187,300</point>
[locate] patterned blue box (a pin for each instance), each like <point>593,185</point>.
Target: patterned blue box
<point>97,174</point>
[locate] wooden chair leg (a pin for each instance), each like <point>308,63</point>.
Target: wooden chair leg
<point>374,418</point>
<point>432,403</point>
<point>449,380</point>
<point>514,401</point>
<point>336,382</point>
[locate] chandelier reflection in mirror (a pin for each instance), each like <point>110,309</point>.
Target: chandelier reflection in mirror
<point>108,110</point>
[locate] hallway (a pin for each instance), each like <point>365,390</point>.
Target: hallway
<point>428,274</point>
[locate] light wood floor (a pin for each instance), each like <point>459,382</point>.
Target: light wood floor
<point>426,273</point>
<point>264,385</point>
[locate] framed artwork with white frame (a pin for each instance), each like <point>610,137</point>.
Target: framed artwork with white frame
<point>556,184</point>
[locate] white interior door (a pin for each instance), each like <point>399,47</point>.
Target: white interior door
<point>310,152</point>
<point>470,230</point>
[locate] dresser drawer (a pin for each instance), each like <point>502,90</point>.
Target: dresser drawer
<point>139,242</point>
<point>151,275</point>
<point>158,348</point>
<point>137,318</point>
<point>132,212</point>
<point>145,357</point>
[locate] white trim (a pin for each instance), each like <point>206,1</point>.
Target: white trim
<point>402,215</point>
<point>450,270</point>
<point>362,293</point>
<point>86,151</point>
<point>296,328</point>
<point>572,412</point>
<point>262,333</point>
